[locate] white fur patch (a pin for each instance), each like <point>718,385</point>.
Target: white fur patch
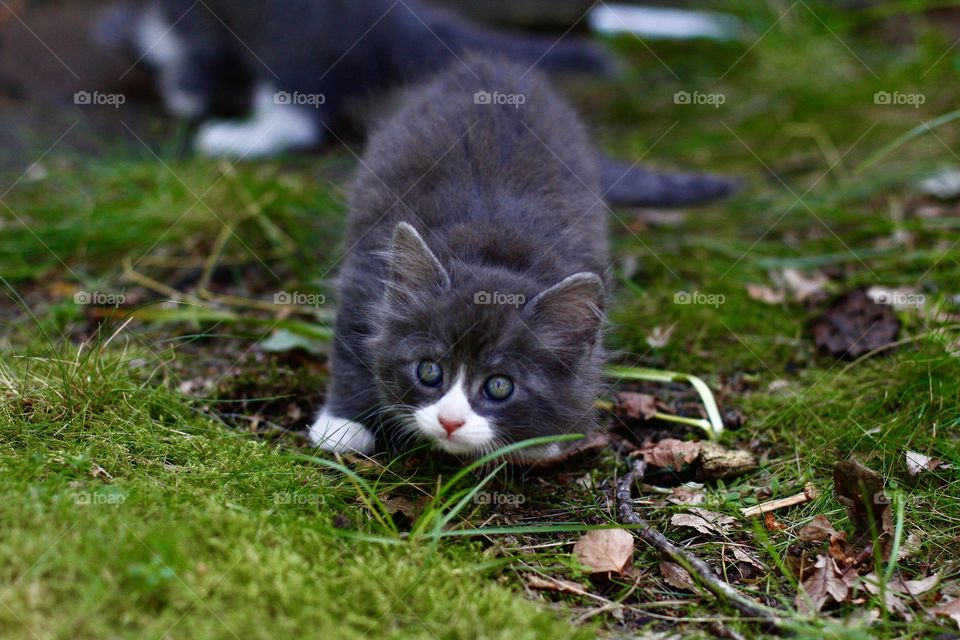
<point>185,104</point>
<point>272,128</point>
<point>341,435</point>
<point>475,433</point>
<point>162,47</point>
<point>156,39</point>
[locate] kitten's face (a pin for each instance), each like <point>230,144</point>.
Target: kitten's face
<point>473,372</point>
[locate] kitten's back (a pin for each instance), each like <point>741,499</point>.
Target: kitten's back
<point>516,181</point>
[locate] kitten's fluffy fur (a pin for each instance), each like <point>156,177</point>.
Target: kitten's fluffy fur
<point>338,56</point>
<point>457,207</point>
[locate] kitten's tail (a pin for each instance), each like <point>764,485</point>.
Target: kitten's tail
<point>627,185</point>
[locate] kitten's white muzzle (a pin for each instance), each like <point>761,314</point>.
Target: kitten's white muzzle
<point>475,433</point>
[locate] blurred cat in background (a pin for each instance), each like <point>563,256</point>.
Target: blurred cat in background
<point>303,67</point>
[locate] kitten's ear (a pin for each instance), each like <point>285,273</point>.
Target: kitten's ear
<point>413,267</point>
<point>568,315</point>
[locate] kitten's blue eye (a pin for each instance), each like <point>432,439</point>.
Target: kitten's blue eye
<point>498,388</point>
<point>430,373</point>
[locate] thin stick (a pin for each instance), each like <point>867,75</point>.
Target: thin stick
<point>810,492</point>
<point>696,567</point>
<point>153,285</point>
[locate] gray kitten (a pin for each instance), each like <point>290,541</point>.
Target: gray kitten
<point>472,292</point>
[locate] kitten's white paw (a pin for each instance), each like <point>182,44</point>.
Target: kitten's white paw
<point>331,433</point>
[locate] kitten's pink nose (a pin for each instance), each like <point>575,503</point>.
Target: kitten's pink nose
<point>450,425</point>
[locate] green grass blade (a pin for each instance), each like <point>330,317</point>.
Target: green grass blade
<point>899,141</point>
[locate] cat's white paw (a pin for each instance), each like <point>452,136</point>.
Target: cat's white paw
<point>340,435</point>
<point>274,127</point>
<point>235,139</point>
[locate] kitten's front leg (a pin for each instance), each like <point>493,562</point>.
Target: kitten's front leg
<point>350,397</point>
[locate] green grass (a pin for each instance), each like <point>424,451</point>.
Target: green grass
<point>136,502</point>
<point>127,511</point>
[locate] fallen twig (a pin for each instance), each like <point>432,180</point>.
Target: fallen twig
<point>810,492</point>
<point>696,567</point>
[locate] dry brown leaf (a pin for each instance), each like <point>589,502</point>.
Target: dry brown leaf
<point>547,583</point>
<point>892,596</point>
<point>954,348</point>
<point>778,385</point>
<point>898,585</point>
<point>765,294</point>
<point>677,576</point>
<point>825,584</point>
<point>605,550</point>
<point>402,505</point>
<point>742,555</point>
<point>660,337</point>
<point>949,609</point>
<point>100,473</point>
<point>637,405</point>
<point>853,325</point>
<point>686,495</point>
<point>840,550</point>
<point>706,522</point>
<point>719,462</point>
<point>817,530</point>
<point>917,463</point>
<point>770,522</point>
<point>910,546</point>
<point>804,287</point>
<point>719,519</point>
<point>860,490</point>
<point>671,453</point>
<point>919,587</point>
<point>593,442</point>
